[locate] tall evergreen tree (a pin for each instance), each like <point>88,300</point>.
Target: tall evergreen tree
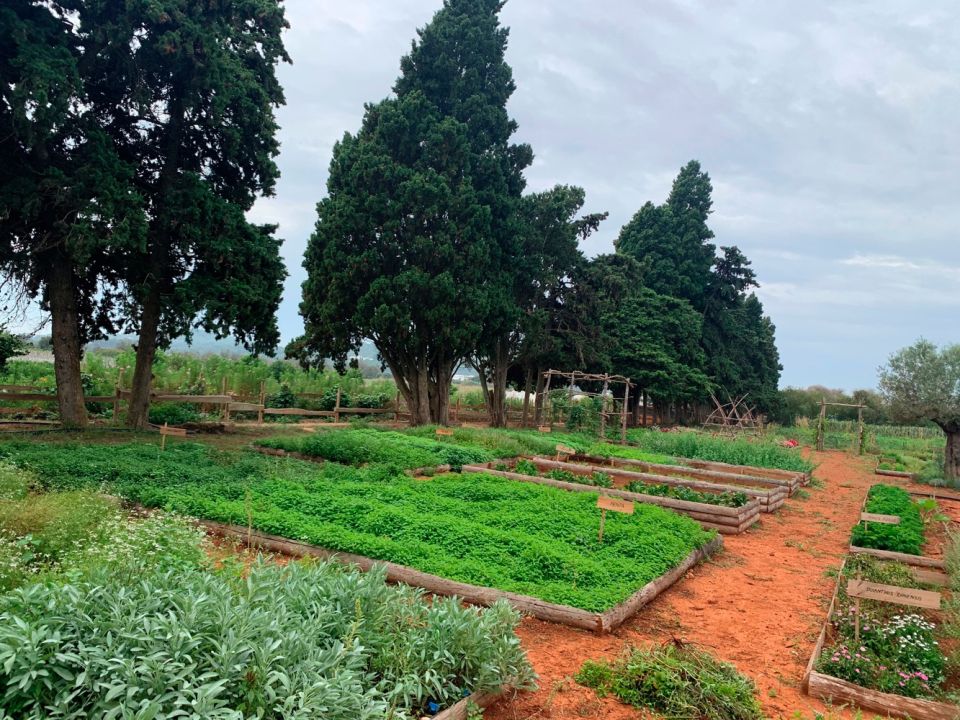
<point>543,259</point>
<point>188,92</point>
<point>66,206</point>
<point>421,218</point>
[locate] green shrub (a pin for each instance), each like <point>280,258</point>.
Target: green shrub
<point>362,446</point>
<point>173,413</point>
<point>676,681</point>
<point>15,483</point>
<point>304,641</point>
<point>907,537</point>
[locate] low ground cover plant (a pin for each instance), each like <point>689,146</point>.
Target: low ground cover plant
<point>477,529</point>
<point>898,651</point>
<point>730,498</point>
<point>907,537</point>
<point>363,446</point>
<point>701,446</point>
<point>675,680</point>
<point>303,641</point>
<point>504,443</point>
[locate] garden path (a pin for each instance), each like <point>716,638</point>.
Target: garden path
<point>760,605</point>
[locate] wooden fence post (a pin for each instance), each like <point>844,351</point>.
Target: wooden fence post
<point>263,402</point>
<point>623,420</point>
<point>117,395</point>
<point>821,422</point>
<point>456,410</point>
<point>336,408</point>
<point>225,411</point>
<point>860,435</point>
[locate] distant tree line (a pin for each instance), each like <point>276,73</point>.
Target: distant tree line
<point>428,243</point>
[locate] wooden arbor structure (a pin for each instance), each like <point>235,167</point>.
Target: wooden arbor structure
<point>571,378</point>
<point>822,421</point>
<point>734,417</point>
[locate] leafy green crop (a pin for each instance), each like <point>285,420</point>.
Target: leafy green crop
<point>724,499</point>
<point>359,447</point>
<point>304,641</point>
<point>907,537</point>
<point>478,529</point>
<point>700,446</point>
<point>675,681</point>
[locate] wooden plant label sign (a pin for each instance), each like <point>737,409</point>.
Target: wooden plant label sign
<point>884,519</point>
<point>444,432</point>
<point>565,450</point>
<point>544,428</point>
<point>605,502</point>
<point>173,431</point>
<point>893,594</point>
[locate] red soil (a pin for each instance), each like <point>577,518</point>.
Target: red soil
<point>759,605</point>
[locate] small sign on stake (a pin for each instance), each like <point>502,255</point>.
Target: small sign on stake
<point>444,432</point>
<point>604,502</point>
<point>565,450</point>
<point>544,428</point>
<point>883,519</point>
<point>172,431</point>
<point>894,594</point>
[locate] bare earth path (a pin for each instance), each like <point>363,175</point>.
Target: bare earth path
<point>760,606</point>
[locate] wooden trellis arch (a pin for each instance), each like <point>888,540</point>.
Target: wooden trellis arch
<point>571,378</point>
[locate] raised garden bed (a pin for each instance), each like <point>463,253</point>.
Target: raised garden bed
<point>770,494</point>
<point>475,594</point>
<point>725,520</point>
<point>836,691</point>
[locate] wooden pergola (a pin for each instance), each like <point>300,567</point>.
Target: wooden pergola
<point>733,417</point>
<point>822,421</point>
<point>573,377</point>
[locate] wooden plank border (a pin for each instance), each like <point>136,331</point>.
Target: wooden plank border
<point>729,521</point>
<point>474,594</point>
<point>906,559</point>
<point>770,499</point>
<point>482,699</point>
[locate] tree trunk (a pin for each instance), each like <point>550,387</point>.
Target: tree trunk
<point>67,349</point>
<point>138,409</point>
<point>951,460</point>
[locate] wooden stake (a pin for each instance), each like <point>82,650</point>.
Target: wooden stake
<point>623,420</point>
<point>821,421</point>
<point>856,617</point>
<point>263,402</point>
<point>860,437</point>
<point>163,438</point>
<point>336,408</point>
<point>603,519</point>
<point>225,410</point>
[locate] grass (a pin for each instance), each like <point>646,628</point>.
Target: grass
<point>701,446</point>
<point>477,529</point>
<point>675,680</point>
<point>363,446</point>
<point>907,537</point>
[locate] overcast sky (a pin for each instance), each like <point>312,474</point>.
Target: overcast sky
<point>829,130</point>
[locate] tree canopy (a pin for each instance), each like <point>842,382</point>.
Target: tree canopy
<point>421,217</point>
<point>922,382</point>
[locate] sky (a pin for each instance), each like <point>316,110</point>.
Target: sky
<point>829,131</point>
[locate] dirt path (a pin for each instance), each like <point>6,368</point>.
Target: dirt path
<point>760,605</point>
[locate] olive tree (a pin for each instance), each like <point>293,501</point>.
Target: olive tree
<point>922,382</point>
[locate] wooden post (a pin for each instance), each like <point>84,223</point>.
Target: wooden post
<point>860,435</point>
<point>644,422</point>
<point>118,394</point>
<point>821,422</point>
<point>336,407</point>
<point>263,402</point>
<point>603,519</point>
<point>623,420</point>
<point>456,410</point>
<point>396,407</point>
<point>546,401</point>
<point>225,411</point>
<point>603,408</point>
<point>163,438</point>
